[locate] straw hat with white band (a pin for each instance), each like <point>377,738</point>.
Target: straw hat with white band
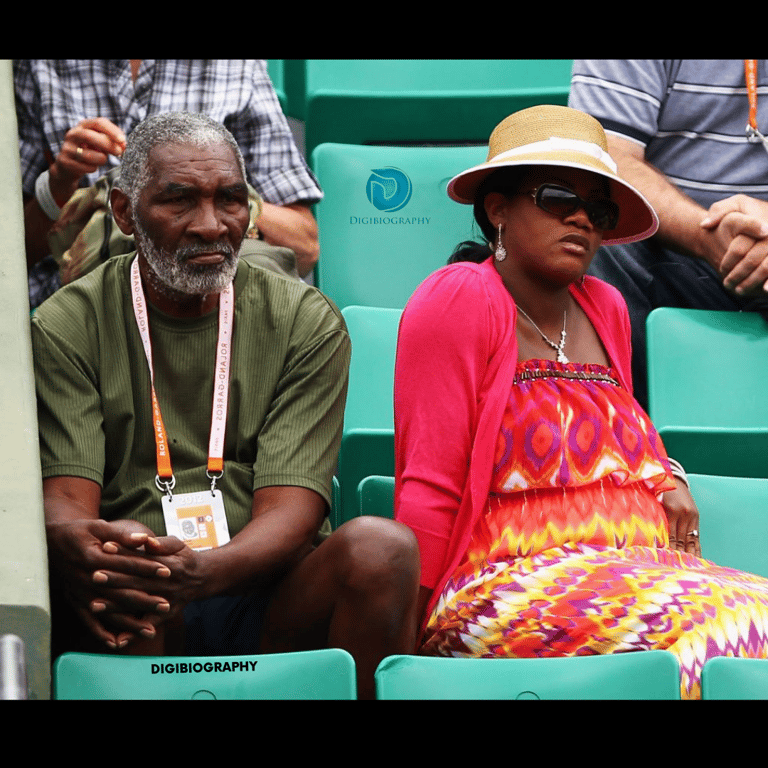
<point>560,136</point>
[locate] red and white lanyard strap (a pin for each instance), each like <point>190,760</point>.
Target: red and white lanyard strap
<point>165,480</point>
<point>750,74</point>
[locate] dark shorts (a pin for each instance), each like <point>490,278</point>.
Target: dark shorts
<point>225,626</point>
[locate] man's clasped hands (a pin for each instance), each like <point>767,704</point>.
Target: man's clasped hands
<point>123,581</point>
<point>738,227</point>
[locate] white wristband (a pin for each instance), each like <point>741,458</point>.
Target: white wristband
<point>678,471</point>
<point>45,198</point>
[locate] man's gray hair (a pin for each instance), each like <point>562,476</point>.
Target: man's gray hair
<point>168,128</point>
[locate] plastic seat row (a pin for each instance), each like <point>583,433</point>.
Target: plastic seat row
<point>330,674</point>
<point>370,101</point>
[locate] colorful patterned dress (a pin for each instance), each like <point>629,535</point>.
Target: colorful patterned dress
<point>571,555</point>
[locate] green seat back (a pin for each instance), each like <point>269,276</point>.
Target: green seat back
<point>275,70</point>
<point>375,257</point>
<point>370,101</point>
<point>734,678</point>
<point>367,442</point>
<point>639,675</point>
<point>733,521</point>
<point>376,496</point>
<point>323,674</point>
<point>706,387</point>
<point>289,79</point>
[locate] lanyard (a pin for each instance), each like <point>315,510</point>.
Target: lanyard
<point>165,479</point>
<point>750,74</point>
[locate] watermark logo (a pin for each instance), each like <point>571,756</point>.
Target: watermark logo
<point>388,189</point>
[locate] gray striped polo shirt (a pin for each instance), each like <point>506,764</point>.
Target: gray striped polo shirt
<point>690,115</point>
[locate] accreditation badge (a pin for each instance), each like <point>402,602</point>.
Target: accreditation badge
<point>198,519</point>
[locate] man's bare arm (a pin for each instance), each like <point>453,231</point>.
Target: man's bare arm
<point>679,216</point>
<point>294,227</point>
<point>732,236</point>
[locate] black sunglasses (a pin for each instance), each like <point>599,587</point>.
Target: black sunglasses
<point>561,201</point>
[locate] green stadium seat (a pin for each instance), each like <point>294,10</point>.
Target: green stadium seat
<point>376,496</point>
<point>367,442</point>
<point>638,675</point>
<point>733,521</point>
<point>725,677</point>
<point>289,79</point>
<point>322,674</point>
<point>706,387</point>
<point>379,101</point>
<point>275,72</point>
<point>386,222</point>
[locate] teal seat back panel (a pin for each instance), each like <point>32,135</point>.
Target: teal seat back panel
<point>367,443</point>
<point>376,495</point>
<point>639,675</point>
<point>290,82</point>
<point>698,371</point>
<point>362,454</point>
<point>449,77</point>
<point>386,222</point>
<point>424,100</point>
<point>734,678</point>
<point>324,674</point>
<point>706,375</point>
<point>373,334</point>
<point>737,452</point>
<point>733,526</point>
<point>275,72</point>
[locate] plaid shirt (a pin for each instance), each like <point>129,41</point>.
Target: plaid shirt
<point>53,95</point>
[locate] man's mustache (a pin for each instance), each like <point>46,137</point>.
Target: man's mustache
<point>190,251</point>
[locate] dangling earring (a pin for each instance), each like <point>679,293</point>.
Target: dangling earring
<point>501,251</point>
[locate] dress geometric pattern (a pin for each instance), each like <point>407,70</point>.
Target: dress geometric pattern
<point>572,558</point>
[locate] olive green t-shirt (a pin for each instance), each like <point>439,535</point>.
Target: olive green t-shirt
<point>288,379</point>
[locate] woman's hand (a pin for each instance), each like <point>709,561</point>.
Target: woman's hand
<point>683,518</point>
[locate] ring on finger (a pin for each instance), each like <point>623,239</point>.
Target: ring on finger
<point>693,533</point>
<point>79,151</point>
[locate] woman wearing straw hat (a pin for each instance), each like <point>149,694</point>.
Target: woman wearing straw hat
<point>548,517</point>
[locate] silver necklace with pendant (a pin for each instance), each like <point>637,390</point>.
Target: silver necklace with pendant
<point>561,358</point>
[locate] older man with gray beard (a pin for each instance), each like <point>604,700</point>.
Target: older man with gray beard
<point>190,410</point>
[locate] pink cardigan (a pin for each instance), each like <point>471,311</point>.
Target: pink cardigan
<point>456,357</point>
